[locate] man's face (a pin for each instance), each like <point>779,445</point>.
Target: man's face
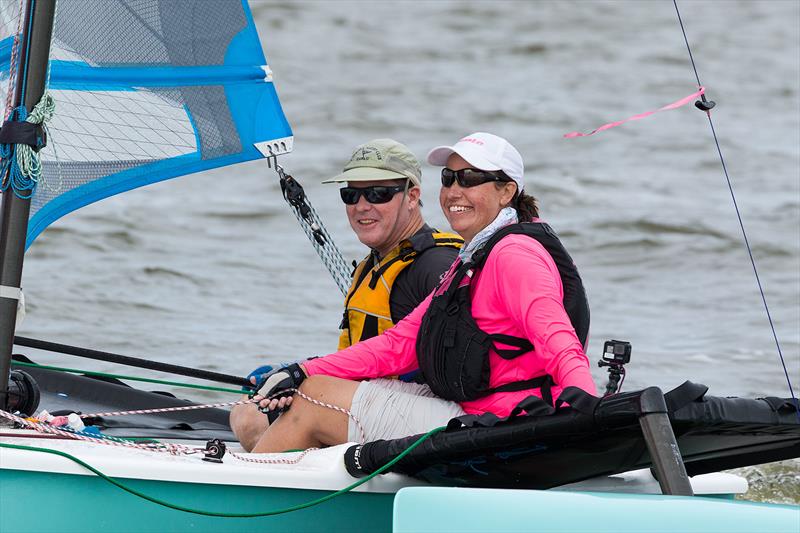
<point>378,225</point>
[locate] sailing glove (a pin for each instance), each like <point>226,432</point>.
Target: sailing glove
<point>281,379</point>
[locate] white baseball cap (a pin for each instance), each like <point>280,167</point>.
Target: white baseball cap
<point>484,151</point>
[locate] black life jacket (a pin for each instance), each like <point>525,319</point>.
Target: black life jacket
<point>453,352</point>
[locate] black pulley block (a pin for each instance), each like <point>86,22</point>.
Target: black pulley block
<point>23,393</point>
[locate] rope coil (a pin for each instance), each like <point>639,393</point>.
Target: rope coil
<point>21,162</point>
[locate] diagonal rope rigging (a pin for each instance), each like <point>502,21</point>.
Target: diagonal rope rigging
<point>738,213</point>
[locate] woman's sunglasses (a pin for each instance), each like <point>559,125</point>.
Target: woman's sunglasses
<point>377,194</point>
<point>471,177</point>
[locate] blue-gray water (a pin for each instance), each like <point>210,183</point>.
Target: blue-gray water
<point>213,271</point>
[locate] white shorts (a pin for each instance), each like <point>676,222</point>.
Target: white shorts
<point>390,409</point>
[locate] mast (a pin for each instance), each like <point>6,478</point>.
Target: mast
<point>34,53</point>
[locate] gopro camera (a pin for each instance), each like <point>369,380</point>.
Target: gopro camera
<point>617,352</point>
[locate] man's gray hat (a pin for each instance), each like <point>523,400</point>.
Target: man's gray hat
<point>381,159</point>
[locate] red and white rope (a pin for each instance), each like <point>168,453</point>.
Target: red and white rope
<point>165,409</point>
<point>286,461</point>
<point>240,402</point>
<point>172,448</point>
<point>335,408</point>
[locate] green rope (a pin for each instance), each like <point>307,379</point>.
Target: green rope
<point>132,378</point>
<point>163,503</point>
<point>28,160</point>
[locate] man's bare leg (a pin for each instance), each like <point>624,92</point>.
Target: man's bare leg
<point>307,425</point>
<point>248,424</point>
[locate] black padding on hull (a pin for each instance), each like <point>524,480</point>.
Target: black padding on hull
<point>61,391</point>
<point>541,452</point>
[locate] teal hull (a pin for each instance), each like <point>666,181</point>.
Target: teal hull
<point>45,502</point>
<point>422,509</point>
<point>61,502</point>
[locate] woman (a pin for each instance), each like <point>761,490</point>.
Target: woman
<point>494,332</point>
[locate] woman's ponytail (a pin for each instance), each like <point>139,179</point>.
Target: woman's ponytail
<point>526,206</point>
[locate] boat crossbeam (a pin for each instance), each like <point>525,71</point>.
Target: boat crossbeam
<point>662,444</point>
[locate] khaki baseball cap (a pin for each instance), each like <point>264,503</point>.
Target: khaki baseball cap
<point>380,159</point>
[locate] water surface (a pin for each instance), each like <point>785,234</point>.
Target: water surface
<point>212,270</point>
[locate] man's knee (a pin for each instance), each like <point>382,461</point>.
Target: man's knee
<point>248,424</point>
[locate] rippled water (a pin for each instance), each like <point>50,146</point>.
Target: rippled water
<point>212,270</point>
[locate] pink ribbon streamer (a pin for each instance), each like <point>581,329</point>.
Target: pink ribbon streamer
<point>673,105</point>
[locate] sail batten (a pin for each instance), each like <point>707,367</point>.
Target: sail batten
<point>147,90</point>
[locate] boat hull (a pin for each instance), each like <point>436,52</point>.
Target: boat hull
<point>456,509</point>
<point>51,502</point>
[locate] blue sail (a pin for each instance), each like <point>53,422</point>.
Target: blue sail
<point>148,90</point>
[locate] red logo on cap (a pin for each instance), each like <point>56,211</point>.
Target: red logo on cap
<point>472,140</point>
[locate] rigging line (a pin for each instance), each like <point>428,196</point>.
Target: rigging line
<point>311,224</point>
<point>26,50</point>
<point>739,215</point>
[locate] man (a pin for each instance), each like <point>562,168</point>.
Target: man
<point>407,257</point>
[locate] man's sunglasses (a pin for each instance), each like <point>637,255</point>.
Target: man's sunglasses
<point>471,177</point>
<point>377,194</point>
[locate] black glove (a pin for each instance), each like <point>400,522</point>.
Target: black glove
<point>278,380</point>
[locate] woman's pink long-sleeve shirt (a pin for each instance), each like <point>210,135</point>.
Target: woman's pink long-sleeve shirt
<point>517,292</point>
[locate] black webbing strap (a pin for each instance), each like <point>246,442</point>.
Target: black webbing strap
<point>445,241</point>
<point>782,404</point>
<point>422,241</point>
<point>426,240</point>
<point>577,398</point>
<point>543,383</point>
<point>418,244</point>
<point>357,283</point>
<point>533,406</point>
<point>403,255</point>
<point>22,132</point>
<point>684,394</point>
<point>522,344</point>
<point>485,420</point>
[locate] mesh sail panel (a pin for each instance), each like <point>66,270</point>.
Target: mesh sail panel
<point>147,90</point>
<point>10,20</point>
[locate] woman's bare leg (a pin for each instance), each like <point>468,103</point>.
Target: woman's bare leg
<point>307,425</point>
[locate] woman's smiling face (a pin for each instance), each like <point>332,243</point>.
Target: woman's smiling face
<point>470,209</point>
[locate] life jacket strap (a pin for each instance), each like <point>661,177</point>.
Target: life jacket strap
<point>417,244</point>
<point>404,255</point>
<point>543,383</point>
<point>522,344</point>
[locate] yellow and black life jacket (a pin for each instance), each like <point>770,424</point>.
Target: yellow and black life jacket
<point>366,307</point>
